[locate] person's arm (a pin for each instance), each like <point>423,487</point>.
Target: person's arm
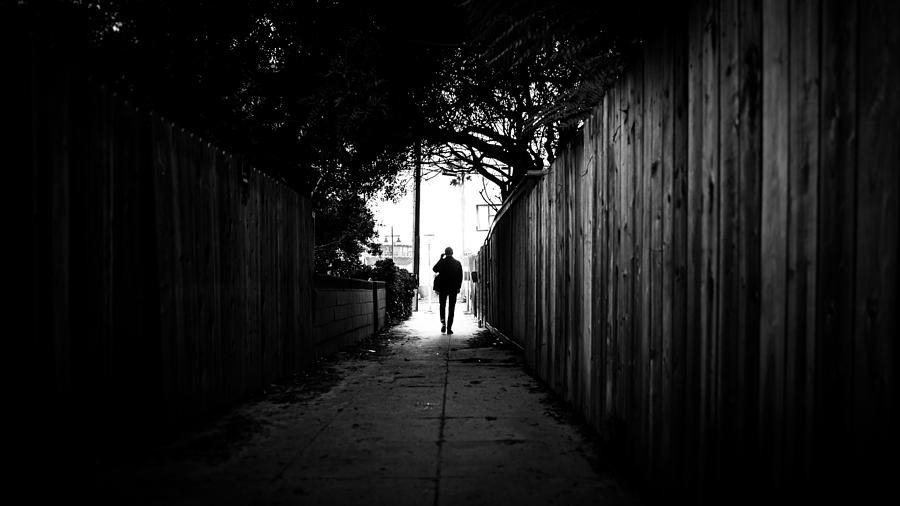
<point>437,266</point>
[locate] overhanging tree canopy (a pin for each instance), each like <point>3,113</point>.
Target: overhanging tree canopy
<point>332,96</point>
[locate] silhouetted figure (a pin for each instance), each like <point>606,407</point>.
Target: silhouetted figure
<point>447,284</point>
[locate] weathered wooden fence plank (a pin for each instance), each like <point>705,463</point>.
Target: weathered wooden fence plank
<point>773,233</point>
<point>748,255</point>
<point>729,224</point>
<point>610,271</point>
<point>662,433</point>
<point>837,228</point>
<point>678,428</point>
<point>646,140</point>
<point>652,169</point>
<point>615,243</point>
<point>695,186</point>
<point>876,302</point>
<point>803,173</point>
<point>598,250</point>
<point>632,399</point>
<point>710,381</point>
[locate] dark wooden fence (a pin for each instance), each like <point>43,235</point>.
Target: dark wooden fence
<point>170,279</point>
<point>711,275</point>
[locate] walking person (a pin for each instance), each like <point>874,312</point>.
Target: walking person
<point>447,284</point>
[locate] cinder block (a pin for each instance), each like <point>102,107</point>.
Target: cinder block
<point>336,328</point>
<point>341,312</point>
<point>323,315</point>
<point>335,299</point>
<point>325,298</point>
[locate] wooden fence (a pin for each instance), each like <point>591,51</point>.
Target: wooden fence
<point>711,275</point>
<point>170,279</point>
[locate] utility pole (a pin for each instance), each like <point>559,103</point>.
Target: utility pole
<point>462,215</point>
<point>418,180</point>
<point>462,225</point>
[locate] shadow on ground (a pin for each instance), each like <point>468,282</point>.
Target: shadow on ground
<point>218,438</point>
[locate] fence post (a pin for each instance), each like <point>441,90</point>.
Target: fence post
<point>375,306</point>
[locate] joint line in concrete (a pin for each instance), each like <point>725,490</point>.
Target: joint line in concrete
<point>440,442</point>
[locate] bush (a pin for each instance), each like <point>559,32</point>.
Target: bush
<point>400,285</point>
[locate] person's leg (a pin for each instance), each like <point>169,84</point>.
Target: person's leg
<point>442,299</point>
<point>451,310</point>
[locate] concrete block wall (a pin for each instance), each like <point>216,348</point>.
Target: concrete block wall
<point>346,311</point>
<point>381,303</point>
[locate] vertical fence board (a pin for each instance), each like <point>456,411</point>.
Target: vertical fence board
<point>625,259</point>
<point>654,167</point>
<point>803,169</point>
<point>585,258</point>
<point>617,361</point>
<point>642,208</point>
<point>837,230</point>
<point>749,169</point>
<point>729,225</point>
<point>679,401</point>
<point>640,276</point>
<point>597,260</point>
<point>773,233</point>
<point>878,196</point>
<point>694,267</point>
<point>569,330</point>
<point>542,249</point>
<point>552,281</point>
<point>709,230</point>
<point>598,279</point>
<point>666,380</point>
<point>630,160</point>
<point>611,320</point>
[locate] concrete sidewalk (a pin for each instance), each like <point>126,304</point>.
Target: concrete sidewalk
<point>428,419</point>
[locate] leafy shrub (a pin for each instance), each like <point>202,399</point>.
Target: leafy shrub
<point>400,286</point>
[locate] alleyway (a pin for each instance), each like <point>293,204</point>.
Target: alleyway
<point>423,419</point>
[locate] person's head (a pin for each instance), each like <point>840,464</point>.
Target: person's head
<point>448,251</point>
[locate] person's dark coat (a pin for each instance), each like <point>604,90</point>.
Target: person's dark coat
<point>449,278</point>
